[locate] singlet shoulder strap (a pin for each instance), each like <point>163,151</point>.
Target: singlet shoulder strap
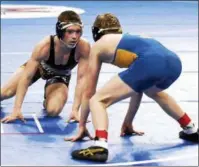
<point>71,59</point>
<point>51,58</point>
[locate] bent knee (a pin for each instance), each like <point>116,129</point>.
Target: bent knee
<point>106,101</point>
<point>151,95</point>
<point>153,92</point>
<point>157,95</point>
<point>54,105</point>
<point>8,92</point>
<point>53,110</point>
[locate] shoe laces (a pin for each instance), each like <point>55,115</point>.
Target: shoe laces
<point>89,151</point>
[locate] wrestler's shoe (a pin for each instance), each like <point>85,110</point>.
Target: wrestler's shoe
<point>93,153</point>
<point>193,137</point>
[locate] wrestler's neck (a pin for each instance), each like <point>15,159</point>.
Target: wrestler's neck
<point>64,48</point>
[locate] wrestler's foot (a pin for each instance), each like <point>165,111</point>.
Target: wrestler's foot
<point>93,153</point>
<point>193,137</point>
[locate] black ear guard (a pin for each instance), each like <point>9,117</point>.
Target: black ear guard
<point>96,33</point>
<point>59,31</point>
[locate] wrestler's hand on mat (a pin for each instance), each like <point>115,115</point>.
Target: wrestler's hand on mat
<point>83,132</point>
<point>74,117</point>
<point>13,116</point>
<point>127,129</point>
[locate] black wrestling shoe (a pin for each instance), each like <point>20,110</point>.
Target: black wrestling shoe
<point>194,137</point>
<point>93,153</point>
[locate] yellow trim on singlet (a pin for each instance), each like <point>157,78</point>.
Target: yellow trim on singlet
<point>124,58</point>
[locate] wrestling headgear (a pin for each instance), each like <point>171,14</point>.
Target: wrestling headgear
<point>106,24</point>
<point>66,19</point>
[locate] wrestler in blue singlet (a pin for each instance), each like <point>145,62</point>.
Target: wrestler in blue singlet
<point>149,63</point>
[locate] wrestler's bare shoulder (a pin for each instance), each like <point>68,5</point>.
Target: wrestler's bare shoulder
<point>42,48</point>
<point>83,48</point>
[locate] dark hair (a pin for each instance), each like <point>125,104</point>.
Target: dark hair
<point>69,16</point>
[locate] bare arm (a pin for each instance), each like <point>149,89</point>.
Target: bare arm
<point>38,54</point>
<point>91,83</point>
<point>22,87</point>
<point>92,75</point>
<point>81,73</point>
<point>24,82</point>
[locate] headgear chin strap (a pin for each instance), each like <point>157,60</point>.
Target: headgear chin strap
<point>62,26</point>
<point>99,32</point>
<point>69,46</point>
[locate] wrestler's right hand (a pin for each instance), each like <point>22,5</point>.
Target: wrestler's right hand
<point>16,114</point>
<point>74,117</point>
<point>83,132</point>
